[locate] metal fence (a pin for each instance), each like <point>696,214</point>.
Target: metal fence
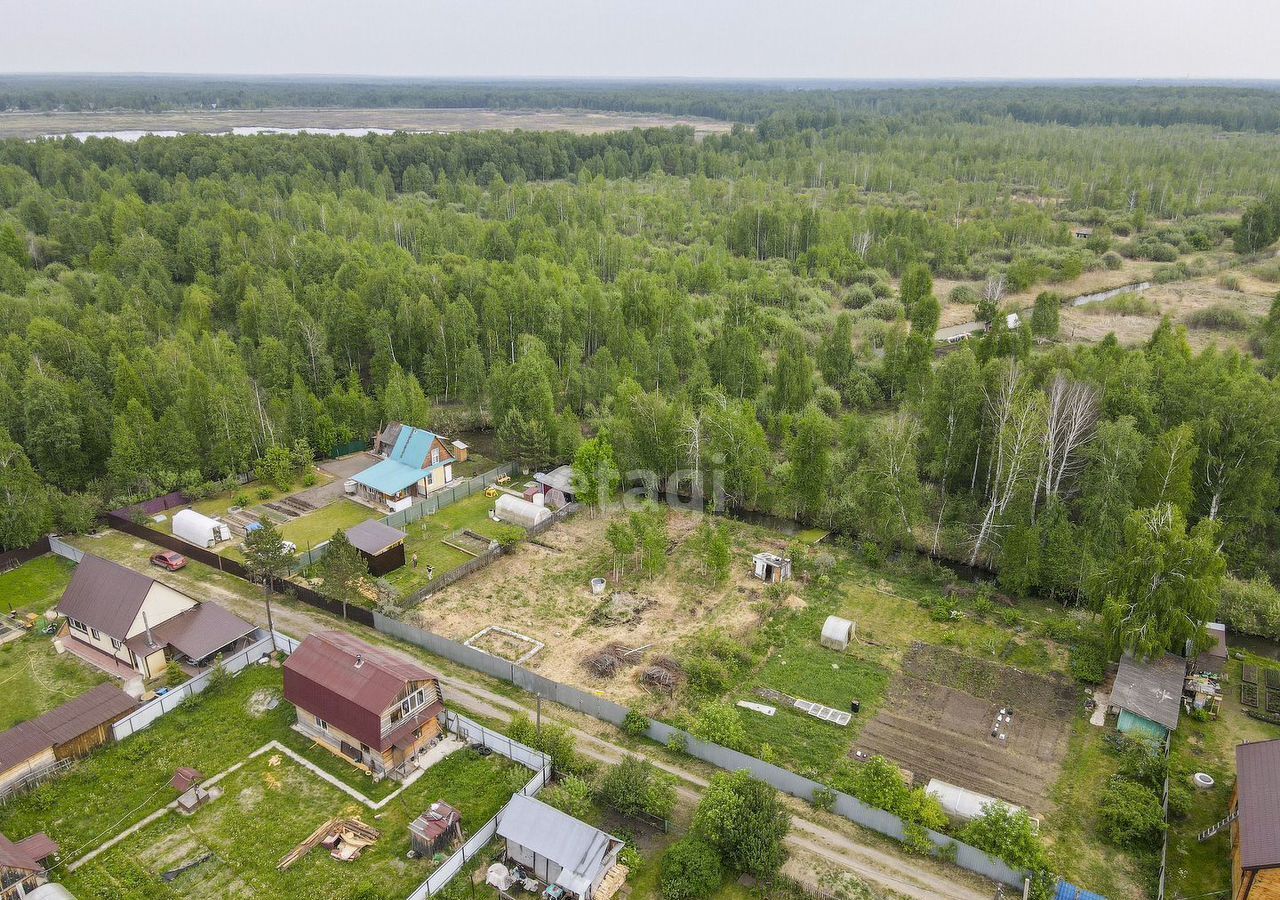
<point>65,550</point>
<point>167,703</point>
<point>1164,847</point>
<point>505,746</point>
<point>438,500</point>
<point>788,782</point>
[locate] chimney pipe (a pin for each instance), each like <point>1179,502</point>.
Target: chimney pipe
<point>359,660</point>
<point>150,640</point>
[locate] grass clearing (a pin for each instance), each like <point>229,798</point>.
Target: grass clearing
<point>35,586</point>
<point>424,538</point>
<point>34,678</point>
<point>266,810</point>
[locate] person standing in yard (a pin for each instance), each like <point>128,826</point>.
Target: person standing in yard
<point>431,572</point>
<point>415,559</point>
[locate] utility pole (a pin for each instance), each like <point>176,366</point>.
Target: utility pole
<point>538,730</point>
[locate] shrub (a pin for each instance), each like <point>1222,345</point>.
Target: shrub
<point>859,295</point>
<point>885,310</point>
<point>1230,281</point>
<point>1088,663</point>
<point>690,869</point>
<point>635,723</point>
<point>824,798</point>
<point>746,821</point>
<point>309,480</point>
<point>1219,317</point>
<point>265,493</point>
<point>173,674</point>
<point>1130,814</point>
<point>720,724</point>
<point>508,536</point>
<point>678,742</point>
<point>636,786</point>
<point>1012,837</point>
<point>962,293</point>
<point>1112,260</point>
<point>242,500</point>
<point>1251,607</point>
<point>571,795</point>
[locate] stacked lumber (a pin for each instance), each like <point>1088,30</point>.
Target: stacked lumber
<point>343,838</point>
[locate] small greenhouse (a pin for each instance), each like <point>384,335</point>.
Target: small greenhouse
<point>837,632</point>
<point>519,511</point>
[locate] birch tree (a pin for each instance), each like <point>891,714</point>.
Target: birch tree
<point>1071,417</point>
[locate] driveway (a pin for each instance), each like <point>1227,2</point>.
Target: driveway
<point>341,470</point>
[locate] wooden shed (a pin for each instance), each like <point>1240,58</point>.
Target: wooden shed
<point>436,830</point>
<point>381,545</point>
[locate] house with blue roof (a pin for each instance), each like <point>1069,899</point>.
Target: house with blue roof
<point>415,462</point>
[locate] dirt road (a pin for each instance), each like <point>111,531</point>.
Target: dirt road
<point>889,871</point>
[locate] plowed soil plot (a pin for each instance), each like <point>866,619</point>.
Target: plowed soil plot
<point>938,718</point>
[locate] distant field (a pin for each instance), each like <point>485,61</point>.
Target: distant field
<point>31,125</point>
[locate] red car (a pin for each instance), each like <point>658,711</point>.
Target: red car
<point>167,559</point>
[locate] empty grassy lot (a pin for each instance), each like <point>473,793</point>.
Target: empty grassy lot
<point>266,809</point>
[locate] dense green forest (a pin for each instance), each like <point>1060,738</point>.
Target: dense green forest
<point>778,106</point>
<point>758,305</point>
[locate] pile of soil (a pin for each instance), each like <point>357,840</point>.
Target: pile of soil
<point>622,608</point>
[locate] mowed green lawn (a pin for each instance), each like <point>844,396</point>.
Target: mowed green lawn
<point>266,809</point>
<point>425,539</point>
<point>35,586</point>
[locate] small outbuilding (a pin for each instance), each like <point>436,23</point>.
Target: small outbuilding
<point>557,849</point>
<point>771,568</point>
<point>556,485</point>
<point>24,865</point>
<point>1214,660</point>
<point>381,545</point>
<point>1148,695</point>
<point>436,830</point>
<point>519,511</point>
<point>460,450</point>
<point>837,632</point>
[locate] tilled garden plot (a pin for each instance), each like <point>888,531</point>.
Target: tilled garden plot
<point>938,718</point>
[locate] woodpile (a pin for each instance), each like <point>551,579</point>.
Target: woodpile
<point>606,662</point>
<point>345,839</point>
<point>664,673</point>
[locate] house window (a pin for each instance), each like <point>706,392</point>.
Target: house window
<point>77,625</point>
<point>322,724</point>
<point>435,457</point>
<point>94,632</point>
<point>412,702</point>
<point>116,645</point>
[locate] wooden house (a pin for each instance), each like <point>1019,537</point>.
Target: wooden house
<point>414,463</point>
<point>1255,822</point>
<point>32,749</point>
<point>1148,695</point>
<point>381,545</point>
<point>369,705</point>
<point>23,866</point>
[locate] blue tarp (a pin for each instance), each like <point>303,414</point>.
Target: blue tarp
<point>1068,891</point>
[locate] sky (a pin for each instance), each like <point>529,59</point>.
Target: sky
<point>853,39</point>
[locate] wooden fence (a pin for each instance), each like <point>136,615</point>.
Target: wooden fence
<point>11,559</point>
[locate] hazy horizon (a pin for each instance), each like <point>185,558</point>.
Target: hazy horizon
<point>716,40</point>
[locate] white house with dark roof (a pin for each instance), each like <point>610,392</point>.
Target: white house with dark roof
<point>133,620</point>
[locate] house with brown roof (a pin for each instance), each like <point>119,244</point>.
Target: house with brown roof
<point>118,617</point>
<point>1255,831</point>
<point>381,545</point>
<point>31,750</point>
<point>23,866</point>
<point>369,705</point>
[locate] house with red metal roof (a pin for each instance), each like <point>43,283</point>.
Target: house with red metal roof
<point>118,617</point>
<point>1255,822</point>
<point>373,707</point>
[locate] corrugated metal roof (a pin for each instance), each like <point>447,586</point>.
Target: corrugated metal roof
<point>14,857</point>
<point>1068,891</point>
<point>1258,790</point>
<point>20,743</point>
<point>407,462</point>
<point>412,447</point>
<point>571,843</point>
<point>558,479</point>
<point>38,846</point>
<point>1151,689</point>
<point>105,596</point>
<point>374,537</point>
<point>202,630</point>
<point>435,821</point>
<point>322,677</point>
<point>389,476</point>
<point>104,704</point>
